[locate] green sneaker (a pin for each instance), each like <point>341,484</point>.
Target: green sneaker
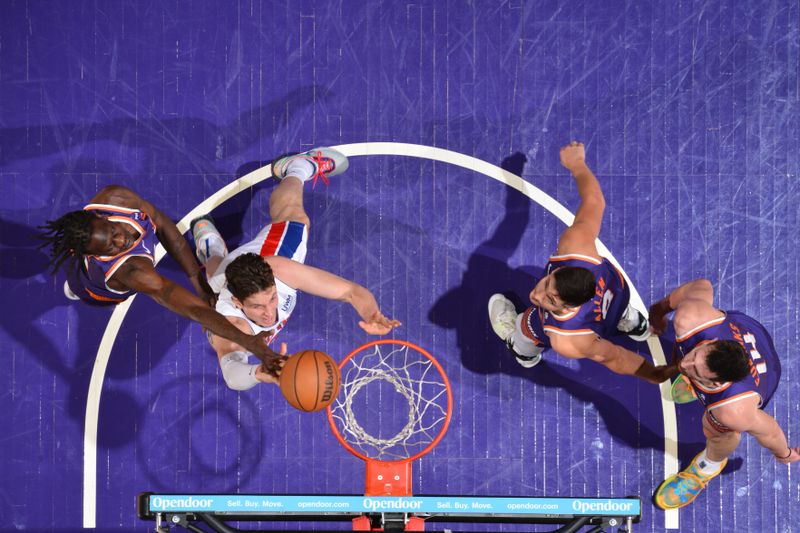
<point>682,390</point>
<point>682,488</point>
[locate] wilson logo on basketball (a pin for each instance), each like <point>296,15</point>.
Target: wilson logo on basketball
<point>329,381</point>
<point>310,380</point>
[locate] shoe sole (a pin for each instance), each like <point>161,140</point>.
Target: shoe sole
<point>495,297</point>
<point>492,300</point>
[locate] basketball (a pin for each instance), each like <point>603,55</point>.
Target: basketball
<point>310,380</point>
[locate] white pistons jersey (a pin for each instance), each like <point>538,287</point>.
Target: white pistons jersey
<point>284,239</point>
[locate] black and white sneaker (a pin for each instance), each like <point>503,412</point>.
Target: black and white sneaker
<point>634,324</point>
<point>528,362</point>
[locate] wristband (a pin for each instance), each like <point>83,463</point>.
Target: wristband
<point>786,456</point>
<point>663,305</point>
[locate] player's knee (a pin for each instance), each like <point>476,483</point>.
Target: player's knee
<point>719,435</point>
<point>238,375</point>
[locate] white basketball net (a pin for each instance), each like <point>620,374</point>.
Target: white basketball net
<point>401,393</point>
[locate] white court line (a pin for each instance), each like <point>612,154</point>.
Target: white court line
<point>355,150</point>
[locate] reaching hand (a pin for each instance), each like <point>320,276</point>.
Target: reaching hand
<point>573,156</point>
<point>269,372</point>
<point>257,345</point>
<point>378,324</point>
<point>664,372</point>
<point>655,374</point>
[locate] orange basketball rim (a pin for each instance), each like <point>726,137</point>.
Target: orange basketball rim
<point>405,379</point>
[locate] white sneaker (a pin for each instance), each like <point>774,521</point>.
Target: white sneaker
<point>634,325</point>
<point>326,162</point>
<point>208,241</point>
<point>502,316</point>
<point>68,292</point>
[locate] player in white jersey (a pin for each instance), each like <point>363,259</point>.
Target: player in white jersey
<point>258,282</point>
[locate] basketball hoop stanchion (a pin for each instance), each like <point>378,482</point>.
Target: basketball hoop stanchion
<point>390,383</point>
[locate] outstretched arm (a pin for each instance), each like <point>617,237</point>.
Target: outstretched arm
<point>321,283</point>
<point>580,236</point>
<point>693,297</point>
<point>167,232</point>
<point>138,274</point>
<point>615,358</point>
<point>744,415</point>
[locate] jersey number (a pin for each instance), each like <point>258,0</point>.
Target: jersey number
<point>608,296</point>
<point>758,363</point>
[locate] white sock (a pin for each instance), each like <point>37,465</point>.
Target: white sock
<point>522,344</point>
<point>706,466</point>
<point>301,169</point>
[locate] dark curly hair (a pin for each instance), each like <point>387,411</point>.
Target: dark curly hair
<point>67,238</point>
<point>575,285</point>
<point>247,275</point>
<point>728,360</point>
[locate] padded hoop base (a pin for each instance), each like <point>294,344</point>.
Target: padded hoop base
<point>391,478</point>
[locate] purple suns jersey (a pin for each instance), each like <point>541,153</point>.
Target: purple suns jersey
<point>765,369</point>
<point>99,269</point>
<point>598,316</point>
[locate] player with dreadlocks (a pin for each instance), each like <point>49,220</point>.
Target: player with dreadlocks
<point>108,249</point>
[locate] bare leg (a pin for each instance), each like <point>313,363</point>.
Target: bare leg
<point>286,202</point>
<point>213,264</point>
<point>719,445</point>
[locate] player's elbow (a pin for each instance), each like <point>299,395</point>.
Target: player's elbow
<point>158,288</point>
<point>595,200</point>
<point>238,375</point>
<point>686,315</point>
<point>114,189</point>
<point>702,284</point>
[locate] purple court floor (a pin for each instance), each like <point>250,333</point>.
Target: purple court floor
<point>690,112</point>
